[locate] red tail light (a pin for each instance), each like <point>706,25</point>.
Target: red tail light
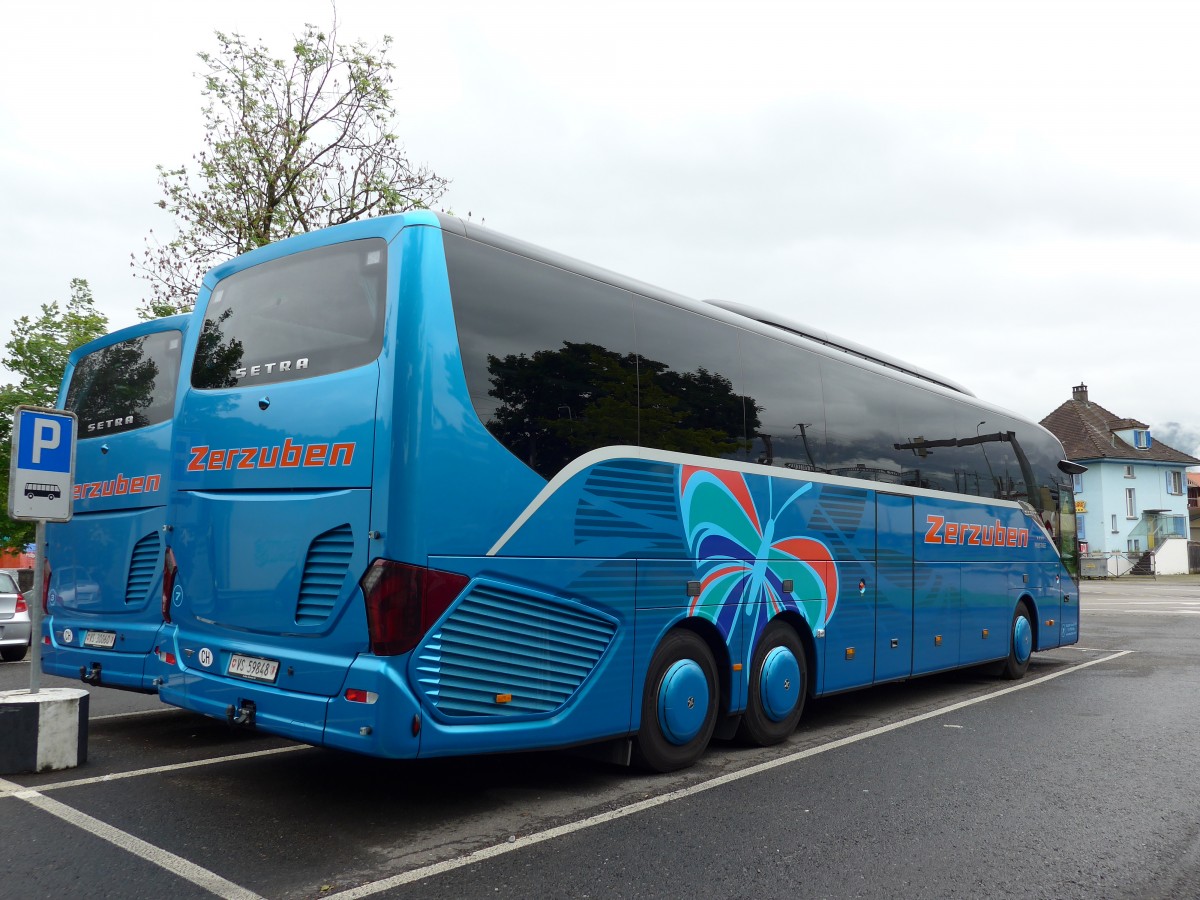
<point>45,585</point>
<point>404,601</point>
<point>170,570</point>
<point>22,606</point>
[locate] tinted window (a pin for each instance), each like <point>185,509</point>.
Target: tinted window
<point>310,314</point>
<point>861,428</point>
<point>783,388</point>
<point>548,355</point>
<point>126,385</point>
<point>689,373</point>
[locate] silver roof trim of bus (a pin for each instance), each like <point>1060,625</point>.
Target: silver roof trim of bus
<point>839,343</point>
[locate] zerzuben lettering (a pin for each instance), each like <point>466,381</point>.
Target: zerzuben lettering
<point>288,455</point>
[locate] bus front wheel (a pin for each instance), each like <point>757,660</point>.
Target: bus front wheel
<point>679,704</point>
<point>778,687</point>
<point>1020,644</point>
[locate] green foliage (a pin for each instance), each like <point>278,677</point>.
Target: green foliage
<point>37,352</point>
<point>291,145</point>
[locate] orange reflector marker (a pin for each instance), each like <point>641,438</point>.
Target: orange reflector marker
<point>737,667</point>
<point>937,640</point>
<point>504,698</point>
<point>849,653</point>
<point>357,695</point>
<point>985,632</point>
<point>1049,621</point>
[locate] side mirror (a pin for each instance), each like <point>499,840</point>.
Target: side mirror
<point>1071,468</point>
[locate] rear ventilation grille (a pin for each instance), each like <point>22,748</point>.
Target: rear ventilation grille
<point>505,653</point>
<point>324,574</point>
<point>144,567</point>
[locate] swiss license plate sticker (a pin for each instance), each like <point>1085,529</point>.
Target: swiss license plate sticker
<point>252,667</point>
<point>105,640</point>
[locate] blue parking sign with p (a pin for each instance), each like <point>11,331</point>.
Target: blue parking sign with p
<point>45,443</point>
<point>42,471</point>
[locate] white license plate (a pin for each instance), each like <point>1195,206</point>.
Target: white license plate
<point>253,667</point>
<point>105,640</point>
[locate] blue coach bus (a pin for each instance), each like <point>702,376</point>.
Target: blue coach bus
<point>440,491</point>
<point>103,607</point>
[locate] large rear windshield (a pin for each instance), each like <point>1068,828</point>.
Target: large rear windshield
<point>313,313</point>
<point>127,385</point>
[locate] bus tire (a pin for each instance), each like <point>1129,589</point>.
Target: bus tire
<point>679,704</point>
<point>1020,644</point>
<point>778,687</point>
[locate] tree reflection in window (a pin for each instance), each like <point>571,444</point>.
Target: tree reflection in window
<point>555,405</point>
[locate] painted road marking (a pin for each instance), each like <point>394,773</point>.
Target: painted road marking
<point>164,859</point>
<point>521,843</point>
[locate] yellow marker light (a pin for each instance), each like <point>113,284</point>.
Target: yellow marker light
<point>737,667</point>
<point>1049,621</point>
<point>849,653</point>
<point>504,698</point>
<point>937,640</point>
<point>985,632</point>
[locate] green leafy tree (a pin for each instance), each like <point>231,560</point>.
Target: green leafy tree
<point>37,352</point>
<point>291,145</point>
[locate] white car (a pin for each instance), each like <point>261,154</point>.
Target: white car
<point>14,618</point>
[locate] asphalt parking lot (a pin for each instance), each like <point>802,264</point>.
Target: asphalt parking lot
<point>170,803</point>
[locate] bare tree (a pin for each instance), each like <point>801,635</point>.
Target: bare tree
<point>290,146</point>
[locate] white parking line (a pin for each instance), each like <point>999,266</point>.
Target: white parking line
<point>164,859</point>
<point>521,843</point>
<point>6,787</point>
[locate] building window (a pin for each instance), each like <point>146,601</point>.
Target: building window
<point>1114,523</point>
<point>1175,482</point>
<point>1141,440</point>
<point>1130,504</point>
<point>1077,483</point>
<point>1135,545</point>
<point>1129,472</point>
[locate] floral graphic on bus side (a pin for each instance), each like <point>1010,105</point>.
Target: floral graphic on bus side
<point>746,558</point>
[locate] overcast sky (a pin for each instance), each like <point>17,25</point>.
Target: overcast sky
<point>1007,193</point>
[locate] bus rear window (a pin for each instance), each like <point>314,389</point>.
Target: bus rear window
<point>127,385</point>
<point>314,313</point>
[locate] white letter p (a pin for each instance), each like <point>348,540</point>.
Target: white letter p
<point>46,435</point>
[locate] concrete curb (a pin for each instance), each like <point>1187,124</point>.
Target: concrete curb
<point>43,731</point>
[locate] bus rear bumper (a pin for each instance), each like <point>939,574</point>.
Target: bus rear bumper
<point>118,667</point>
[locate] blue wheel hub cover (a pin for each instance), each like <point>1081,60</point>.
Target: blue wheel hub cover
<point>1022,639</point>
<point>779,683</point>
<point>683,701</point>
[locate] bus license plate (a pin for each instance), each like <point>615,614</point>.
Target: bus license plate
<point>252,667</point>
<point>105,640</point>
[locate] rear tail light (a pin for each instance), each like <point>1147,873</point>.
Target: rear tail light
<point>170,570</point>
<point>46,585</point>
<point>22,606</point>
<point>404,601</point>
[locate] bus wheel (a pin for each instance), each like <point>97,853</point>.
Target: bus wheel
<point>679,704</point>
<point>1020,645</point>
<point>778,687</point>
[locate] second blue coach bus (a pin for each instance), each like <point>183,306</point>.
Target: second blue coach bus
<point>103,607</point>
<point>439,491</point>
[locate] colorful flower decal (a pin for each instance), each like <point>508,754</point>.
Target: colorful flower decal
<point>743,557</point>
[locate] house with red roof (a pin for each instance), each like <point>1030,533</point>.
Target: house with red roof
<point>1132,502</point>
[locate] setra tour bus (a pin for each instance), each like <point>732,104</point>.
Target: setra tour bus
<point>439,491</point>
<point>103,603</point>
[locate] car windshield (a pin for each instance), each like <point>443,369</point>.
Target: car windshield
<point>7,585</point>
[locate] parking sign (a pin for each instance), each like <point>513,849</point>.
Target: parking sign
<point>42,475</point>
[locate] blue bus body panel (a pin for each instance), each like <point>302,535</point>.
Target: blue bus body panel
<point>571,584</point>
<point>107,561</point>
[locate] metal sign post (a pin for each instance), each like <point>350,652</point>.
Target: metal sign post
<point>41,482</point>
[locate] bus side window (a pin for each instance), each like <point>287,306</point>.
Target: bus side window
<point>548,355</point>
